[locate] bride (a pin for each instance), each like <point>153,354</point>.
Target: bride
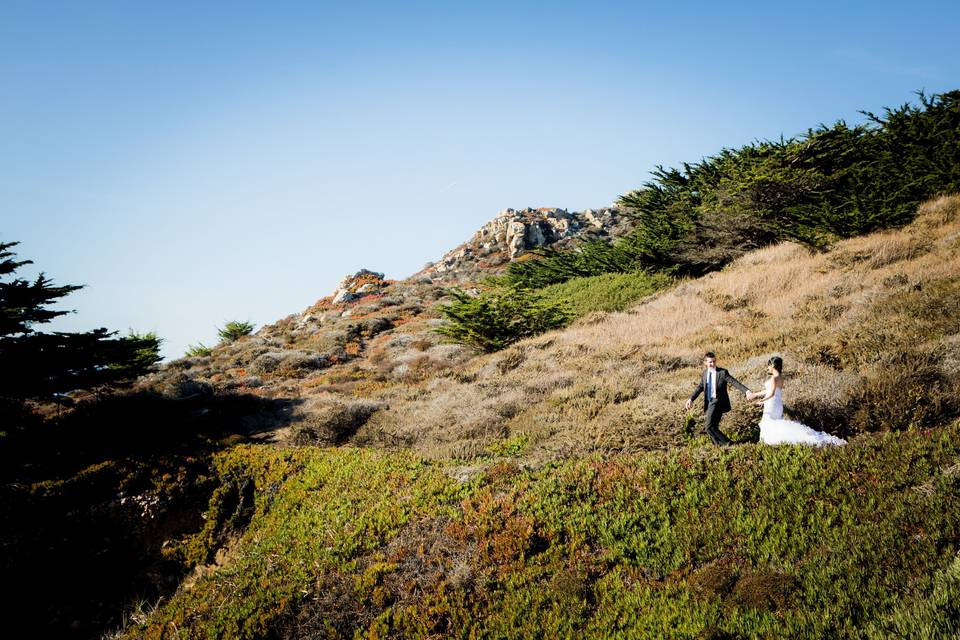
<point>774,428</point>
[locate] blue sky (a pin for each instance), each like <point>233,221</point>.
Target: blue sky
<point>202,162</point>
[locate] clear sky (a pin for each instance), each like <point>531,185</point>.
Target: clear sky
<point>193,163</point>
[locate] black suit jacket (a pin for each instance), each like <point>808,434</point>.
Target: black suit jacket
<point>723,400</point>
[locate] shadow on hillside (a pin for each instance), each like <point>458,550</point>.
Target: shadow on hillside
<point>139,426</point>
<point>92,498</point>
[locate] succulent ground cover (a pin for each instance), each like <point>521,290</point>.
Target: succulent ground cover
<point>754,541</point>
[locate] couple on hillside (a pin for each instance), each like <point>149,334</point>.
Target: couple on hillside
<point>774,428</point>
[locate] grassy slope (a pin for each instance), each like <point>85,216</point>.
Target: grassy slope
<point>689,541</point>
<point>607,292</point>
<point>754,542</point>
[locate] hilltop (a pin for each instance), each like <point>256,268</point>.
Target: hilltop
<point>512,234</point>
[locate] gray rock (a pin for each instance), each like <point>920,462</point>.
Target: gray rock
<point>343,295</point>
<point>514,232</point>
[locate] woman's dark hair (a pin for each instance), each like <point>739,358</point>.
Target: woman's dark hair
<point>777,363</point>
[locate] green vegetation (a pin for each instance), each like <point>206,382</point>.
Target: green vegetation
<point>504,314</point>
<point>234,330</point>
<point>148,354</point>
<point>932,615</point>
<point>498,317</point>
<point>198,350</point>
<point>607,292</point>
<point>510,447</point>
<point>750,542</point>
<point>314,513</point>
<point>36,365</point>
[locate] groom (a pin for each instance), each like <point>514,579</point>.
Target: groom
<point>716,402</point>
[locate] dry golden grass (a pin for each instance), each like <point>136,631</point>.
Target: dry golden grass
<point>868,331</point>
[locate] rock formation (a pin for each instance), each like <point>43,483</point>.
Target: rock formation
<point>362,283</point>
<point>513,233</point>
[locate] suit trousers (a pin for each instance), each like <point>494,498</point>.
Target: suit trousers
<point>712,421</point>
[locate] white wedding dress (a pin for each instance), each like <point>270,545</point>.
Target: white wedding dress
<point>775,429</point>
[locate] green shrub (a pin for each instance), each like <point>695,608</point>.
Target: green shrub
<point>146,352</point>
<point>936,615</point>
<point>510,447</point>
<point>607,292</point>
<point>198,350</point>
<point>499,317</point>
<point>504,314</point>
<point>234,330</point>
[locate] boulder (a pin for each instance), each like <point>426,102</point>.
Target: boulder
<point>343,295</point>
<point>357,285</point>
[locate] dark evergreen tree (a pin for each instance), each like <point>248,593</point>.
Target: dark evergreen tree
<point>38,365</point>
<point>499,317</point>
<point>833,182</point>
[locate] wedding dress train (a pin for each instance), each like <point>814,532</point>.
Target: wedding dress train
<point>775,429</point>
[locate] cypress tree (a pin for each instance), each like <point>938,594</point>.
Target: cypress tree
<point>37,365</point>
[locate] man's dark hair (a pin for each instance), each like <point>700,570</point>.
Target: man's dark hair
<point>709,354</point>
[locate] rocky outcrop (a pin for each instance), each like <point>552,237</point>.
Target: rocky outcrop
<point>513,233</point>
<point>360,284</point>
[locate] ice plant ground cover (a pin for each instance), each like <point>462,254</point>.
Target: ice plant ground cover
<point>753,541</point>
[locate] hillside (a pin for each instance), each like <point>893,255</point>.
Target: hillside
<point>511,531</point>
<point>497,445</point>
<point>556,487</point>
<point>556,484</point>
<point>872,317</point>
<point>370,333</point>
<point>862,326</point>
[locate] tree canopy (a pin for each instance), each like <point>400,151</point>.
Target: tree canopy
<point>38,365</point>
<point>833,182</point>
